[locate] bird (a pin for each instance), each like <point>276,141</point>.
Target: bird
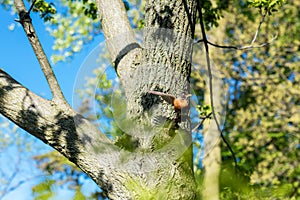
<point>179,103</point>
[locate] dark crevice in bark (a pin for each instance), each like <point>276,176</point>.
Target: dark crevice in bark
<point>124,52</point>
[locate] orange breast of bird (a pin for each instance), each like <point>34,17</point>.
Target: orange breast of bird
<point>180,104</point>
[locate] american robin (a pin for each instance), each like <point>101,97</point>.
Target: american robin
<point>179,103</point>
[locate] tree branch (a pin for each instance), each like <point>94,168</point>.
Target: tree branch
<point>120,38</point>
<point>251,46</point>
<point>63,129</point>
<point>39,116</point>
<point>25,21</point>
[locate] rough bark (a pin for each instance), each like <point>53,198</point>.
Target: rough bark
<point>58,126</point>
<point>163,63</point>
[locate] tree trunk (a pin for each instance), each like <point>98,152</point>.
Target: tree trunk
<point>164,65</point>
<point>212,160</point>
<point>212,150</point>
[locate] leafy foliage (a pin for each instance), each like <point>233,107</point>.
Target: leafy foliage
<point>61,172</point>
<point>71,29</point>
<point>43,190</point>
<point>263,110</point>
<point>6,4</point>
<point>267,5</point>
<point>45,9</point>
<point>212,13</point>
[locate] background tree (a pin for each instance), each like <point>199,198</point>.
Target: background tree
<point>249,74</point>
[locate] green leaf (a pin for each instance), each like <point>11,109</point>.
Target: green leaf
<point>79,195</point>
<point>43,190</point>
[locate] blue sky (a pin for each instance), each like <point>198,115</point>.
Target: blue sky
<point>19,61</point>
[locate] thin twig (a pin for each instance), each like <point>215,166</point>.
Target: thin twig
<point>202,121</point>
<point>251,46</point>
<point>210,83</point>
<point>32,4</point>
<point>258,28</point>
<point>12,177</point>
<point>223,47</point>
<point>20,183</point>
<point>26,23</point>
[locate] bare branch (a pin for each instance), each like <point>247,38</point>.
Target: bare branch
<point>25,21</point>
<point>20,183</point>
<point>32,4</point>
<point>251,46</point>
<point>12,177</point>
<point>202,121</point>
<point>258,28</point>
<point>223,47</point>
